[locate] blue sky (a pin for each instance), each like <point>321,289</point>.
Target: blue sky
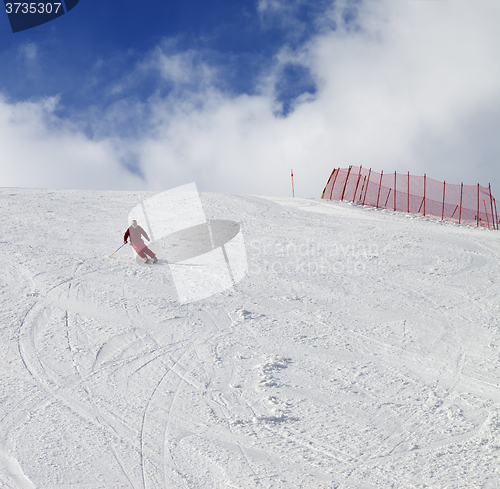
<point>80,55</point>
<point>233,94</point>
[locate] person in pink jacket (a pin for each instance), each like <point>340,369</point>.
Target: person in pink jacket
<point>136,233</point>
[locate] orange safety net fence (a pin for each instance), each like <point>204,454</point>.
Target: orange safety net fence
<point>464,204</point>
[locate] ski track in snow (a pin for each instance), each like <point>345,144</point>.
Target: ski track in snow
<point>382,371</point>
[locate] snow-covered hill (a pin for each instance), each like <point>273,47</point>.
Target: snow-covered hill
<point>362,351</point>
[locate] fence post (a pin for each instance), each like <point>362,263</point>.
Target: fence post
<point>394,191</point>
<point>334,180</point>
<point>485,210</point>
<point>387,200</point>
<point>460,211</point>
<point>324,190</point>
<point>425,184</point>
<point>345,184</point>
<point>421,204</point>
<point>496,215</point>
<point>362,188</point>
<point>408,189</point>
<point>367,182</point>
<point>357,183</point>
<point>477,214</point>
<point>444,190</point>
<point>491,203</point>
<point>379,186</point>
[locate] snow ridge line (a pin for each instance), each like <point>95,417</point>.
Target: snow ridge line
<point>156,400</point>
<point>41,311</point>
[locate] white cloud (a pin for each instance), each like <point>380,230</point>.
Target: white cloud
<point>28,56</point>
<point>28,51</point>
<point>40,150</point>
<point>394,95</point>
<point>179,68</point>
<point>407,86</point>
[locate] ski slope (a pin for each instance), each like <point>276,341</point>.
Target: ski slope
<point>362,351</point>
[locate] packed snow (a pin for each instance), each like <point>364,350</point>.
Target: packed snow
<point>362,350</point>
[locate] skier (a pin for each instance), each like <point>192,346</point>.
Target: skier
<point>135,233</point>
